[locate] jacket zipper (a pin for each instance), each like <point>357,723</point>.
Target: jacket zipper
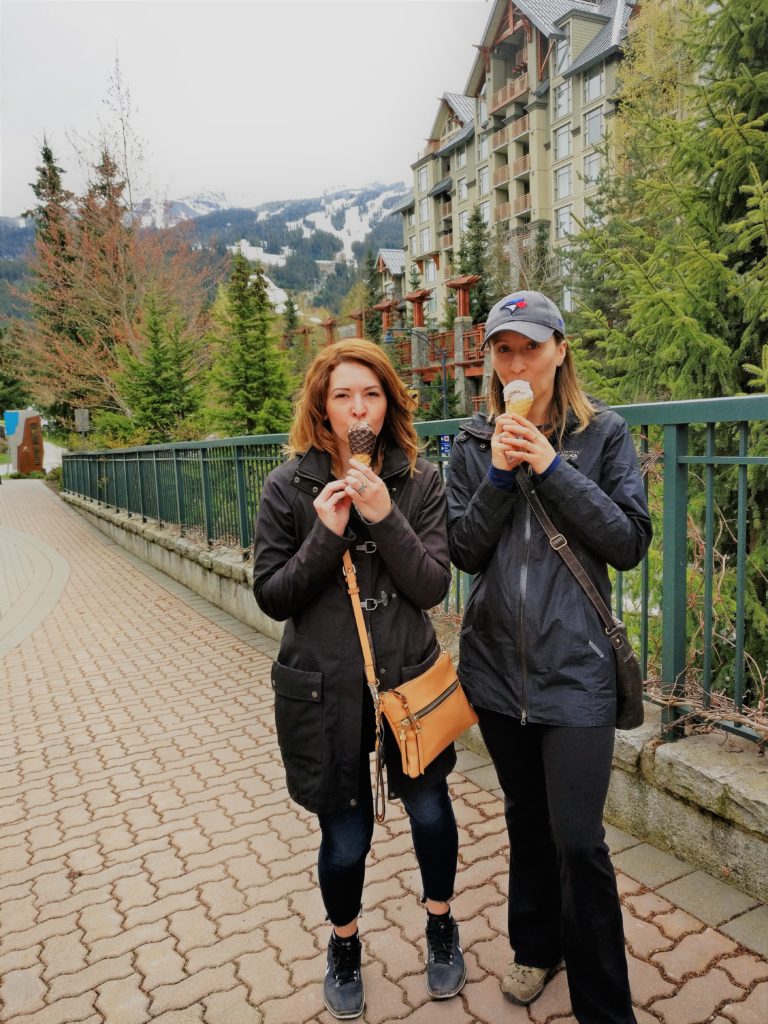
<point>521,617</point>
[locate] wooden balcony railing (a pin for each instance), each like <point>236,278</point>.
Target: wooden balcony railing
<point>519,127</point>
<point>446,210</point>
<point>512,91</point>
<point>473,340</point>
<point>431,147</point>
<point>501,175</point>
<point>438,341</point>
<point>521,166</point>
<point>502,212</point>
<point>522,204</point>
<point>480,403</point>
<point>446,242</point>
<point>499,139</point>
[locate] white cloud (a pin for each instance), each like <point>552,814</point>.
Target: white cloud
<point>261,99</point>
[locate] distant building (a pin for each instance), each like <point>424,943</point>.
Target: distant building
<point>390,264</point>
<point>520,143</point>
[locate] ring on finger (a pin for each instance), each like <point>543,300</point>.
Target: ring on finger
<point>362,487</point>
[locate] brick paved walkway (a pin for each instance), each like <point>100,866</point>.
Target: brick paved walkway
<point>152,867</point>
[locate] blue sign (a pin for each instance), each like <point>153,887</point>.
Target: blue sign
<point>11,417</point>
<point>445,445</point>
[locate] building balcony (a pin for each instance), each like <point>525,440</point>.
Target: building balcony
<point>501,212</point>
<point>446,210</point>
<point>439,341</point>
<point>522,204</point>
<point>446,242</point>
<point>473,344</point>
<point>519,127</point>
<point>499,139</point>
<point>501,175</point>
<point>480,403</point>
<point>512,91</point>
<point>521,166</point>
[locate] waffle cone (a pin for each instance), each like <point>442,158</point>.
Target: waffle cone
<point>521,406</point>
<point>362,442</point>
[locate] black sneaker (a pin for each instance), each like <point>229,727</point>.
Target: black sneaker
<point>343,992</point>
<point>446,970</point>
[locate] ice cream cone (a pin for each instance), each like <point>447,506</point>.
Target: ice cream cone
<point>518,397</point>
<point>362,442</point>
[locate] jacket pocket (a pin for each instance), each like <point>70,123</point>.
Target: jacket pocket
<point>298,716</point>
<point>408,672</point>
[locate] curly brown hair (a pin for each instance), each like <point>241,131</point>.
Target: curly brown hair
<point>310,425</point>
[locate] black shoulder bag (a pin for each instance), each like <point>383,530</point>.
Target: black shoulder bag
<point>629,680</point>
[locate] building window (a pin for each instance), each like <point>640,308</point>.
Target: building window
<point>423,179</point>
<point>563,182</point>
<point>483,181</point>
<point>411,218</point>
<point>424,239</point>
<point>423,210</point>
<point>593,84</point>
<point>430,272</point>
<point>430,308</point>
<point>463,221</point>
<point>482,149</point>
<point>482,107</point>
<point>485,212</point>
<point>562,55</point>
<point>412,245</point>
<point>561,102</point>
<point>562,141</point>
<point>592,163</point>
<point>593,126</point>
<point>461,157</point>
<point>461,189</point>
<point>563,222</point>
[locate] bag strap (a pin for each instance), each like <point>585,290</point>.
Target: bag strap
<point>350,576</point>
<point>559,543</point>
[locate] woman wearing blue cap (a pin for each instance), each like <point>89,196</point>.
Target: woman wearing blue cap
<point>535,659</point>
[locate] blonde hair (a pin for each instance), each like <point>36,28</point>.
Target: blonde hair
<point>310,426</point>
<point>568,394</point>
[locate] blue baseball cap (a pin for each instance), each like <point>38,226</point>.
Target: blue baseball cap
<point>529,313</point>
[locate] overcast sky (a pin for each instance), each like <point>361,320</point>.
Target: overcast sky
<point>258,99</point>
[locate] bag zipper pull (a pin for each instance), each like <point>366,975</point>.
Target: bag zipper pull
<point>524,718</point>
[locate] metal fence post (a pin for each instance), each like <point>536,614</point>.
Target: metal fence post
<point>206,482</point>
<point>179,491</point>
<point>674,567</point>
<point>242,505</point>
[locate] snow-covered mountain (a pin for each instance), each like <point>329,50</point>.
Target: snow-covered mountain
<point>349,214</point>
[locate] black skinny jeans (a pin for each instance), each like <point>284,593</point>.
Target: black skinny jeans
<point>563,900</point>
<point>346,840</point>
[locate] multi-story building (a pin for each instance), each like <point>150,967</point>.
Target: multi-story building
<point>521,142</point>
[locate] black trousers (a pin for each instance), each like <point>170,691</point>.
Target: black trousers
<point>563,900</point>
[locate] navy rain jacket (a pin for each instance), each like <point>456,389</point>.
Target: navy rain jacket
<point>532,644</point>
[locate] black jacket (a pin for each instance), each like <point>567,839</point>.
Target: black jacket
<point>322,705</point>
<point>532,645</point>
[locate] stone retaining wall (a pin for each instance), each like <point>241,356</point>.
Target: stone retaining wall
<point>705,799</point>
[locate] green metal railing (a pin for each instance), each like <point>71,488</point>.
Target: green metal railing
<point>703,454</point>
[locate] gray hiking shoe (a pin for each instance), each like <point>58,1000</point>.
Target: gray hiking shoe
<point>446,970</point>
<point>343,992</point>
<point>523,984</point>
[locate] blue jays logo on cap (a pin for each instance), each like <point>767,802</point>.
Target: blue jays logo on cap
<point>515,304</point>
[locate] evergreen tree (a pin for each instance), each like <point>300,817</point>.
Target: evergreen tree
<point>159,384</point>
<point>473,258</point>
<point>13,392</point>
<point>372,280</point>
<point>290,321</point>
<point>435,396</point>
<point>671,276</point>
<point>249,369</point>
